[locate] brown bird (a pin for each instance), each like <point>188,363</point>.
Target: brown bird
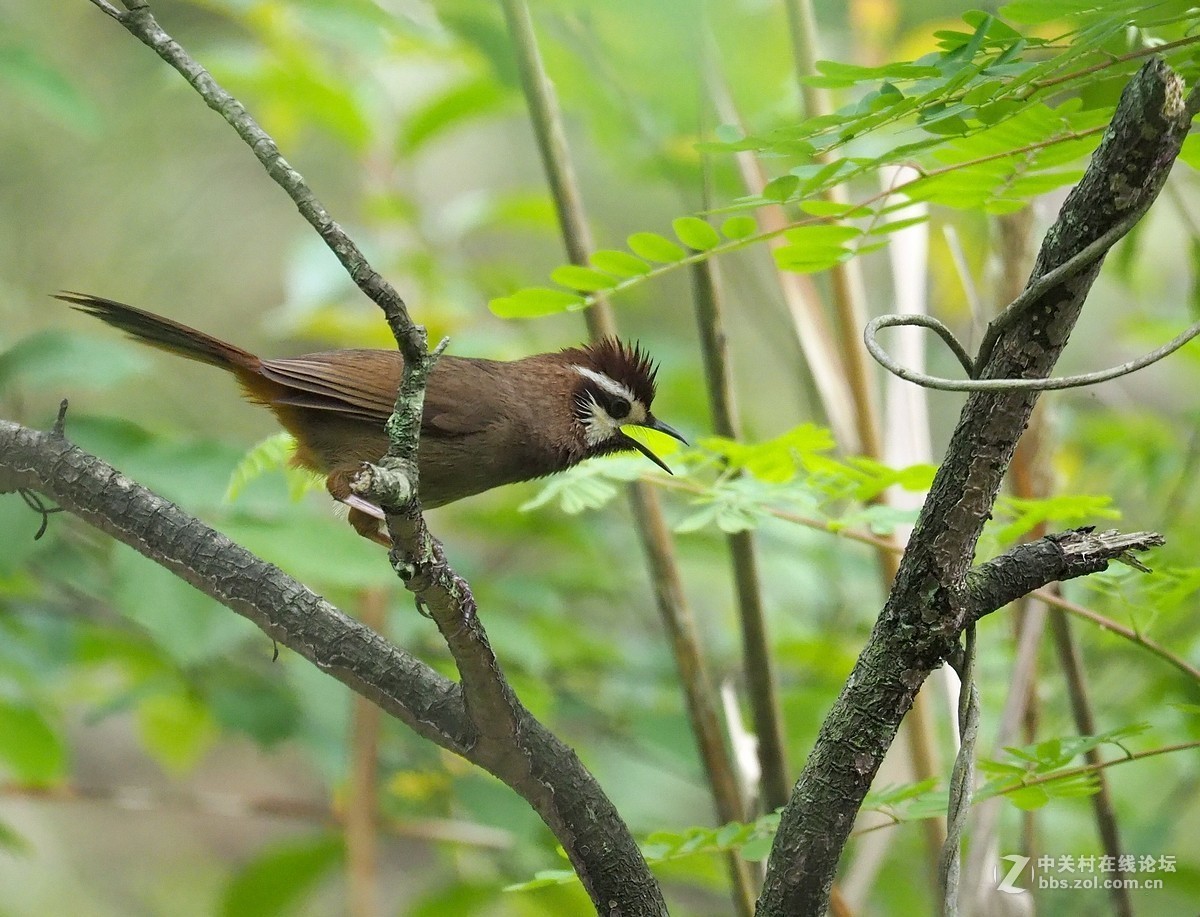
<point>485,423</point>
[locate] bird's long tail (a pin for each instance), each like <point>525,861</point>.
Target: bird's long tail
<point>163,333</point>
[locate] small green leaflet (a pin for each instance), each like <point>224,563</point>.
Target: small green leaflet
<point>581,278</point>
<point>653,247</point>
<point>1020,516</point>
<point>32,751</point>
<point>739,227</point>
<point>588,486</point>
<point>618,263</point>
<point>815,248</point>
<point>696,233</point>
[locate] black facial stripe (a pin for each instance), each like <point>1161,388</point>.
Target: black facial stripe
<point>616,406</point>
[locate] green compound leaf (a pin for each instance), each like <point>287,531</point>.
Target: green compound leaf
<point>271,454</point>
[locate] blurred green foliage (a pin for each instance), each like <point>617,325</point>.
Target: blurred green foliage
<point>407,120</point>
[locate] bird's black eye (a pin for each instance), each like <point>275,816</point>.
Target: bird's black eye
<point>618,408</point>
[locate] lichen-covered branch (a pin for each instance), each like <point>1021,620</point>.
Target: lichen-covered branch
<point>493,729</point>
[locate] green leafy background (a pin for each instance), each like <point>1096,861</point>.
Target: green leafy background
<point>154,759</point>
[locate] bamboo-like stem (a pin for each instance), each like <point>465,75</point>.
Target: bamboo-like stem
<point>1067,650</point>
<point>757,664</point>
<point>362,790</point>
<point>656,540</point>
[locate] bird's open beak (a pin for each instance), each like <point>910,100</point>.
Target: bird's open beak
<point>653,423</point>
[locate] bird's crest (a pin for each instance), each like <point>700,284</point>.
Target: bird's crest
<point>625,363</point>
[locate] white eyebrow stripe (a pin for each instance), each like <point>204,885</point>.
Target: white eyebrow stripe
<point>608,383</point>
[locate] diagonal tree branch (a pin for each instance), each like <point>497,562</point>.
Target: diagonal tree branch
<point>537,765</point>
<point>286,611</point>
<point>493,729</point>
<point>930,604</point>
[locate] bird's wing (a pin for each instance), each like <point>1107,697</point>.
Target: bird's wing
<point>355,383</point>
<point>362,384</point>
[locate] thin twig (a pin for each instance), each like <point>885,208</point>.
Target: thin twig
<point>140,23</point>
<point>107,8</point>
<point>875,541</point>
<point>1084,770</point>
<point>757,662</point>
<point>1084,260</point>
<point>849,294</point>
<point>1007,385</point>
<point>776,227</point>
<point>1151,50</point>
<point>1127,633</point>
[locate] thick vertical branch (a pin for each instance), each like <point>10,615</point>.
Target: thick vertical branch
<point>926,611</point>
